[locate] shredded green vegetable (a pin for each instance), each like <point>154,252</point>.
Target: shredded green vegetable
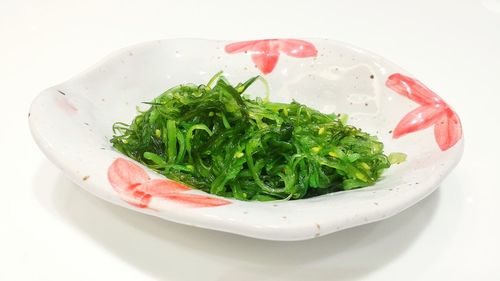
<point>214,138</point>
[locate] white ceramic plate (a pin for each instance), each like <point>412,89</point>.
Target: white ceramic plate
<point>71,123</point>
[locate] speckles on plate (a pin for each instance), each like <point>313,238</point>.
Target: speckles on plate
<point>334,81</point>
<point>85,178</point>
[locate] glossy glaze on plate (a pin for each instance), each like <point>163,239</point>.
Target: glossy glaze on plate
<point>72,122</point>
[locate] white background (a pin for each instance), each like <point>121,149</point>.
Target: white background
<point>50,229</point>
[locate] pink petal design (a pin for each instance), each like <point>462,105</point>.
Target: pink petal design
<point>135,187</point>
<point>195,200</point>
<point>161,187</point>
<point>126,175</point>
<point>433,111</point>
<point>298,48</point>
<point>265,53</point>
<point>137,198</point>
<point>239,47</point>
<point>418,119</point>
<point>448,130</point>
<point>265,56</point>
<point>413,89</point>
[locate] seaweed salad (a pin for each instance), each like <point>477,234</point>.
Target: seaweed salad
<point>214,138</point>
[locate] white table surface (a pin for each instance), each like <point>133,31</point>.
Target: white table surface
<point>50,229</point>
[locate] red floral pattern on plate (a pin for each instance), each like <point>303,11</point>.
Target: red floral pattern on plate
<point>432,111</point>
<point>135,187</point>
<point>265,53</point>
